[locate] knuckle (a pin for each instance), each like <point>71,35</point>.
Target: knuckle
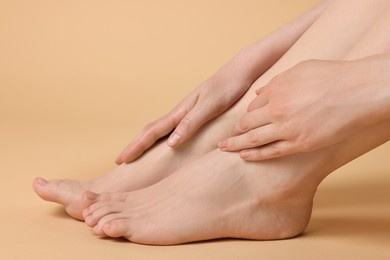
<point>253,137</point>
<point>275,112</point>
<point>149,126</point>
<point>274,151</point>
<point>286,130</point>
<point>151,131</point>
<point>141,146</point>
<point>186,123</point>
<point>255,155</point>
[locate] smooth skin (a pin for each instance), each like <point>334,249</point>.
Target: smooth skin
<point>312,106</point>
<point>161,161</point>
<point>217,194</point>
<point>217,94</point>
<point>221,195</point>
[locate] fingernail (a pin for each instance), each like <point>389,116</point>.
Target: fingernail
<point>173,139</point>
<point>222,144</point>
<point>41,181</point>
<point>244,154</point>
<point>90,195</point>
<point>258,91</point>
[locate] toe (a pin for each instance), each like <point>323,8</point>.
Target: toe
<point>118,228</point>
<point>65,192</point>
<point>112,196</point>
<point>47,190</point>
<point>92,218</point>
<point>40,181</point>
<point>89,198</point>
<point>99,228</point>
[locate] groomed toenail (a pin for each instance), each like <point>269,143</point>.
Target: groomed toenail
<point>41,181</point>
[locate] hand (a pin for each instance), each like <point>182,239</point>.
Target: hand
<point>313,105</point>
<point>208,100</point>
<point>217,94</point>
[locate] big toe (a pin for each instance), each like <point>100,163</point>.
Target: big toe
<point>65,192</point>
<point>45,190</point>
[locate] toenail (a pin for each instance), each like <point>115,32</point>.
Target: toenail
<point>41,181</point>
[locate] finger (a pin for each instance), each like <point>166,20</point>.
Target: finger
<point>258,102</point>
<point>139,145</point>
<point>193,120</point>
<point>253,138</point>
<point>259,91</point>
<point>150,134</point>
<point>251,120</point>
<point>269,151</point>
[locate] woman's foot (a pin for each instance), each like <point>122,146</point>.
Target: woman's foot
<point>65,192</point>
<point>218,195</point>
<point>156,164</point>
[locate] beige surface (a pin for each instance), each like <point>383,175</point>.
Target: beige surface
<point>79,78</point>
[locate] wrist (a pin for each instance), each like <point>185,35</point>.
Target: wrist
<point>374,80</point>
<point>249,63</point>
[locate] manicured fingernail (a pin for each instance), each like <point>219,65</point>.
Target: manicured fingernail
<point>222,144</point>
<point>244,154</point>
<point>90,195</point>
<point>173,139</point>
<point>41,181</point>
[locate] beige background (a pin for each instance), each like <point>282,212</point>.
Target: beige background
<point>78,79</point>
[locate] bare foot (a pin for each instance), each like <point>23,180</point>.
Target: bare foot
<point>153,166</point>
<point>218,195</point>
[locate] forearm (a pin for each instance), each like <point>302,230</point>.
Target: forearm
<point>363,88</point>
<point>252,61</point>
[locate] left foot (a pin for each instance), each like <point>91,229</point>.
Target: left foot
<point>218,195</point>
<point>153,166</point>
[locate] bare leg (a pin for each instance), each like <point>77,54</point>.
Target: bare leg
<point>220,195</point>
<point>126,177</point>
<point>153,166</point>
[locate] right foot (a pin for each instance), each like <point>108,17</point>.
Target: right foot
<point>216,196</point>
<point>220,195</point>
